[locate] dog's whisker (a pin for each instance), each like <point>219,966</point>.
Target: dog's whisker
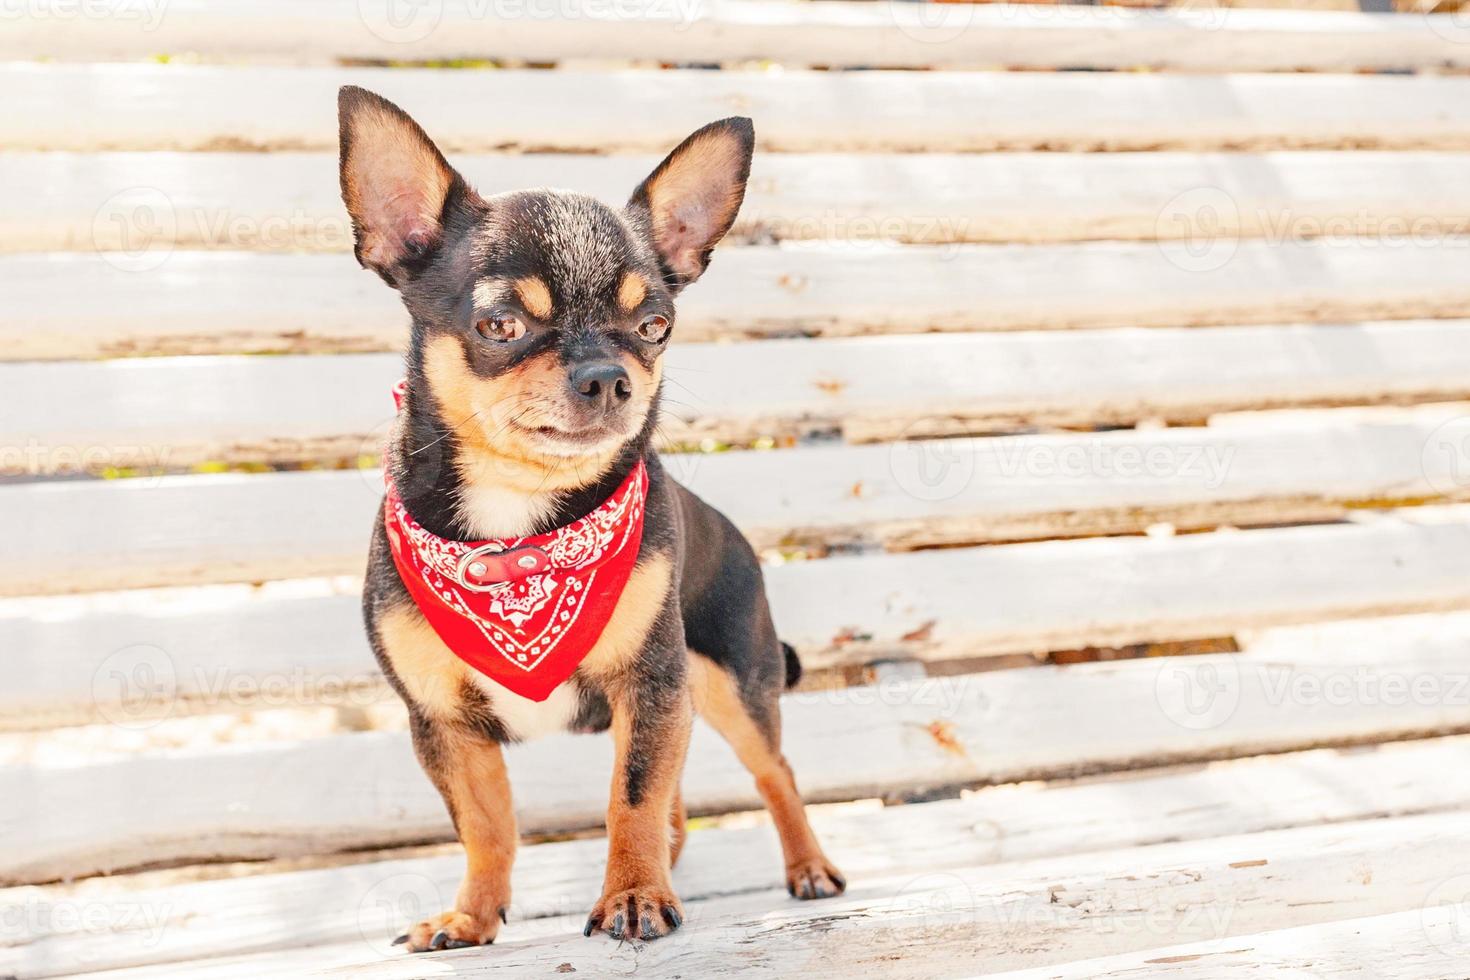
<point>452,430</point>
<point>681,384</point>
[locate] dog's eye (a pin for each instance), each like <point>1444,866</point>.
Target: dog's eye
<point>500,328</point>
<point>654,328</point>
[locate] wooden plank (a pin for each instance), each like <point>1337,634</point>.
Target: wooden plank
<point>309,408</point>
<point>1170,894</point>
<point>239,302</point>
<point>830,33</point>
<point>200,107</point>
<point>134,657</point>
<point>364,790</point>
<point>1036,914</point>
<point>297,909</point>
<point>290,202</point>
<point>1380,947</point>
<point>74,536</point>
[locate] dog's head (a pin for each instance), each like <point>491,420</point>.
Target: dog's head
<point>539,317</point>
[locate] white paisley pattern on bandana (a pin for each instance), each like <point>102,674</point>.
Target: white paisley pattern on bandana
<point>525,620</point>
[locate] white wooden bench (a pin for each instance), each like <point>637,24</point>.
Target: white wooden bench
<point>1171,361</point>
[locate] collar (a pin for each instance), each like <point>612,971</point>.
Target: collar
<point>523,611</point>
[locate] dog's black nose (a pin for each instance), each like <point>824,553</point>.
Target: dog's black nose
<point>602,381</point>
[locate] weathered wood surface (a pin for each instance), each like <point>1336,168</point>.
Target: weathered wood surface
<point>131,657</point>
<point>966,920</point>
<point>1422,944</point>
<point>832,33</point>
<point>290,202</point>
<point>198,107</point>
<point>971,921</point>
<point>190,302</point>
<point>304,408</point>
<point>146,532</point>
<point>311,908</point>
<point>1072,880</point>
<point>898,738</point>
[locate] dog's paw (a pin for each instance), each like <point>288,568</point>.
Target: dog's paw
<point>636,913</point>
<point>814,879</point>
<point>450,930</point>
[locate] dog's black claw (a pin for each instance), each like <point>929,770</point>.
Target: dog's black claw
<point>401,940</point>
<point>459,944</point>
<point>503,920</point>
<point>645,926</point>
<point>672,917</point>
<point>440,938</point>
<point>617,926</point>
<point>592,923</point>
<point>839,881</point>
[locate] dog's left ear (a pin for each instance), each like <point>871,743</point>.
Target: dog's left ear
<point>690,200</point>
<point>395,183</point>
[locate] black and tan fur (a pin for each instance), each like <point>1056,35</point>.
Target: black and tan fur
<point>508,433</point>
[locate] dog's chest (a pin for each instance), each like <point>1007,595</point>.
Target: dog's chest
<point>494,512</point>
<point>525,719</point>
<point>499,512</point>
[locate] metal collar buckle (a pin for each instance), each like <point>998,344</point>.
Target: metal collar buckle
<point>472,560</point>
<point>474,563</point>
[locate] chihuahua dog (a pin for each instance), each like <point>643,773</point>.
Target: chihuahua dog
<point>525,502</point>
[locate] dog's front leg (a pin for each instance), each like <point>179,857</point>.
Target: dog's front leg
<point>469,771</point>
<point>651,716</point>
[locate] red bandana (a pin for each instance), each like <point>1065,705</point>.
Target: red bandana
<point>523,611</point>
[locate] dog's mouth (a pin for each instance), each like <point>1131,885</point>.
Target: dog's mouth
<point>555,441</point>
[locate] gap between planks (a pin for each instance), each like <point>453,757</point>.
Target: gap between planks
<point>241,302</point>
<point>299,408</point>
<point>239,648</point>
<point>211,109</point>
<point>827,34</point>
<point>142,205</point>
<point>311,908</point>
<point>968,920</point>
<point>365,790</point>
<point>69,536</point>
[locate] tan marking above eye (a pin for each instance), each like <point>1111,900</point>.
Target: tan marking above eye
<point>534,296</point>
<point>631,291</point>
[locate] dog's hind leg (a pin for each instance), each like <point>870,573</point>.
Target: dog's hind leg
<point>752,726</point>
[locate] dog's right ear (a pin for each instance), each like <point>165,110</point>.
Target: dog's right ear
<point>394,182</point>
